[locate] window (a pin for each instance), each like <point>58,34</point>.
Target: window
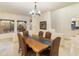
<point>6,25</point>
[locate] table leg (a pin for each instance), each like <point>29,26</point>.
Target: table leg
<point>37,54</point>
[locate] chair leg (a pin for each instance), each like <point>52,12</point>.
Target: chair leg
<point>22,54</point>
<point>19,50</point>
<point>37,54</point>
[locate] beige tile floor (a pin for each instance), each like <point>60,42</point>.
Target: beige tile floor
<point>10,48</point>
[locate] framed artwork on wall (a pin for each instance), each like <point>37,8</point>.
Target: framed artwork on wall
<point>43,25</point>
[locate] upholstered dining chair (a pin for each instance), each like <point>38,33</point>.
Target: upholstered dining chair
<point>40,34</point>
<point>22,45</point>
<point>54,48</point>
<point>27,51</point>
<point>25,33</point>
<point>48,35</point>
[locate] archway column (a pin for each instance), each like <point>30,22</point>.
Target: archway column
<point>15,31</point>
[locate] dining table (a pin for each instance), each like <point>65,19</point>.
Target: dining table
<point>37,44</point>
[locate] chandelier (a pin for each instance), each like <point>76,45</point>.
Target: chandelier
<point>35,11</point>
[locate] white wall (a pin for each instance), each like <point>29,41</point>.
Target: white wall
<point>36,22</point>
<point>61,19</point>
<point>46,17</point>
<point>35,25</point>
<point>12,16</point>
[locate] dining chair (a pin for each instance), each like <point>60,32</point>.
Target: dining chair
<point>25,33</point>
<point>53,50</point>
<point>20,44</point>
<point>40,34</point>
<point>48,35</point>
<point>26,50</point>
<point>24,46</point>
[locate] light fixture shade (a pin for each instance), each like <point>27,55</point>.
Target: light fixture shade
<point>32,12</point>
<point>35,11</point>
<point>39,12</point>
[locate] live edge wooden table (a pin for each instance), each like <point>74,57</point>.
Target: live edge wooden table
<point>37,45</point>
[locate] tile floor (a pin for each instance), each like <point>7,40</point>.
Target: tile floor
<point>10,48</point>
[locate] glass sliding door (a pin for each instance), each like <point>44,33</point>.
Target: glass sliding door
<point>6,26</point>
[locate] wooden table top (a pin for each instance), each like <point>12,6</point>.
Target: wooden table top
<point>36,45</point>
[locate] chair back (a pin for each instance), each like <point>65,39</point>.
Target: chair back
<point>23,45</point>
<point>20,44</point>
<point>25,33</point>
<point>48,35</point>
<point>54,50</point>
<point>40,34</point>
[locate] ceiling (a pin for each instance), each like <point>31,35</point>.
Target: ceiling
<point>23,8</point>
